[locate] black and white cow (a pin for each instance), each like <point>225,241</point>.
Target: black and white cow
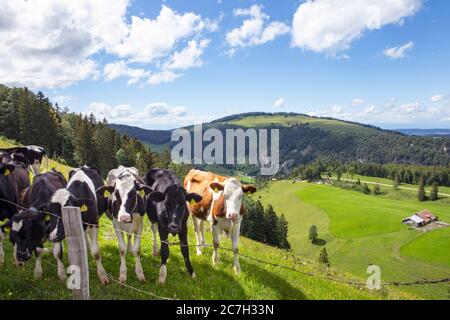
<point>127,195</point>
<point>33,154</point>
<point>14,181</point>
<point>171,214</point>
<point>80,192</point>
<point>28,228</point>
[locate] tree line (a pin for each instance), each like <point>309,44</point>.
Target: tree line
<point>74,139</point>
<point>263,225</point>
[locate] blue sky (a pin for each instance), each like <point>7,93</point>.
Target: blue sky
<point>163,64</point>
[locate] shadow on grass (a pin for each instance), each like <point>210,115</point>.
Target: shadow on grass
<point>320,242</point>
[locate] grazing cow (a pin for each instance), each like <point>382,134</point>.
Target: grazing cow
<point>221,205</point>
<point>14,180</point>
<point>127,194</point>
<point>28,228</point>
<point>80,192</point>
<point>171,213</point>
<point>33,154</point>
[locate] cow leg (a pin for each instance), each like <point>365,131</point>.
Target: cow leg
<point>196,223</point>
<point>38,266</point>
<point>235,232</point>
<point>163,236</point>
<point>123,253</point>
<point>15,254</point>
<point>202,232</point>
<point>137,252</point>
<point>185,250</point>
<point>95,252</point>
<point>216,242</point>
<point>155,240</point>
<point>2,253</point>
<point>57,253</point>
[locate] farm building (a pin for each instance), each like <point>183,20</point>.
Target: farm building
<point>420,219</point>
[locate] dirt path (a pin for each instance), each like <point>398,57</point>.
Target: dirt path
<point>388,185</point>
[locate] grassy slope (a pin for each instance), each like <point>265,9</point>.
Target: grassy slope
<point>326,124</point>
<point>349,248</point>
<point>257,281</point>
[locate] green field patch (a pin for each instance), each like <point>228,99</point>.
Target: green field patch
<point>433,246</point>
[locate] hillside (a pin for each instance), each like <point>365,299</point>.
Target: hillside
<point>257,280</point>
<point>304,139</point>
<point>359,230</point>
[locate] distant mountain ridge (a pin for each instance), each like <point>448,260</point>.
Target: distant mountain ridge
<point>424,132</point>
<point>304,139</point>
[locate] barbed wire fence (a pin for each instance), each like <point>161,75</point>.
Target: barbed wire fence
<point>245,256</point>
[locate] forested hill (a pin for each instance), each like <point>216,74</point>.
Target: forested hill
<point>304,139</point>
<point>74,139</point>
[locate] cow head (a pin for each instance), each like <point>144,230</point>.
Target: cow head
<point>232,192</point>
<point>124,197</point>
<point>26,232</point>
<point>174,206</point>
<point>5,157</point>
<point>64,198</point>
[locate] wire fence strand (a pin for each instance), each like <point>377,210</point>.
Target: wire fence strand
<point>258,260</point>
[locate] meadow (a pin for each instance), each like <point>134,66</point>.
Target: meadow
<point>359,230</point>
<point>256,281</point>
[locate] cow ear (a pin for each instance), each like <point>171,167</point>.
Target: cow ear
<point>248,188</point>
<point>142,188</point>
<point>7,226</point>
<point>105,191</point>
<point>84,204</point>
<point>157,196</point>
<point>7,169</point>
<point>193,197</point>
<point>71,173</point>
<point>216,186</point>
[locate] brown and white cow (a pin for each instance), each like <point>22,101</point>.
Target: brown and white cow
<point>221,205</point>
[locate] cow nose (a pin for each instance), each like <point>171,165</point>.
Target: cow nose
<point>125,218</point>
<point>233,216</point>
<point>174,229</point>
<point>20,264</point>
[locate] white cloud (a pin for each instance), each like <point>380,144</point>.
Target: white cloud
<point>336,110</point>
<point>357,102</point>
<point>61,99</point>
<point>164,76</point>
<point>255,30</point>
<point>399,51</point>
<point>149,39</point>
<point>188,57</point>
<point>154,114</point>
<point>279,103</point>
<point>118,69</point>
<point>49,43</point>
<point>330,26</point>
<point>437,98</point>
<point>55,43</point>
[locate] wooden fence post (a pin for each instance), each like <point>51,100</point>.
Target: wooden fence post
<point>76,243</point>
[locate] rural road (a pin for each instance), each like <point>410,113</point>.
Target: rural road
<point>388,185</point>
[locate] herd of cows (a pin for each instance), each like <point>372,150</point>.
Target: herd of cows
<point>32,204</point>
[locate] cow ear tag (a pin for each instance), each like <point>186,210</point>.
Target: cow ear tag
<point>84,208</point>
<point>142,193</point>
<point>7,172</point>
<point>192,202</point>
<point>216,190</point>
<point>106,194</point>
<point>47,217</point>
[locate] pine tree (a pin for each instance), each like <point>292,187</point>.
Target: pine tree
<point>313,233</point>
<point>283,233</point>
<point>122,158</point>
<point>434,192</point>
<point>323,257</point>
<point>270,226</point>
<point>421,194</point>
